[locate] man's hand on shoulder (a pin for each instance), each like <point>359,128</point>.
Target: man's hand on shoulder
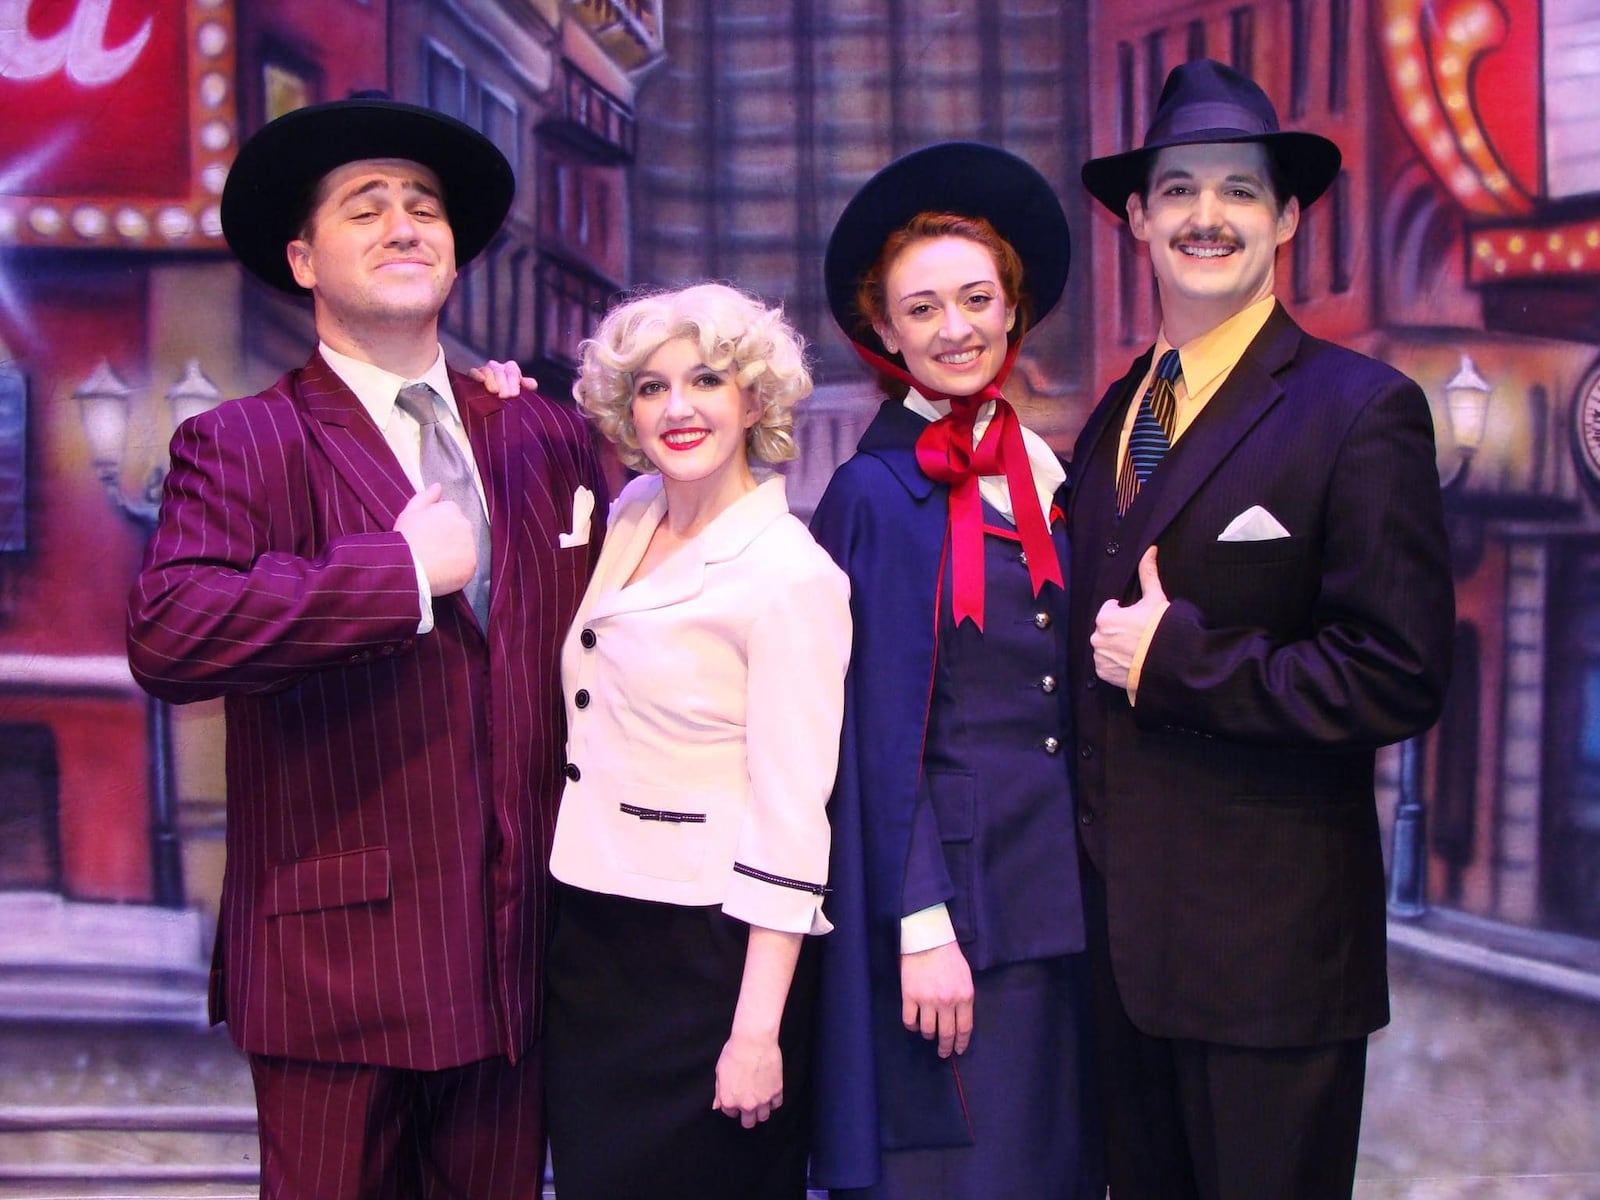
<point>441,538</point>
<point>503,379</point>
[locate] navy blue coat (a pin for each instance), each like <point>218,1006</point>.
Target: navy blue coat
<point>883,521</point>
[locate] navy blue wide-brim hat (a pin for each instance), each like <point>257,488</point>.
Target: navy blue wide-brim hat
<point>1203,102</point>
<point>278,167</point>
<point>968,179</point>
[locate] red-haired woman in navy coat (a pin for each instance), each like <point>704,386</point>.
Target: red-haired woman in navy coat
<point>951,1044</point>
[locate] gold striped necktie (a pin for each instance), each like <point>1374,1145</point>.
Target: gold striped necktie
<point>1153,426</point>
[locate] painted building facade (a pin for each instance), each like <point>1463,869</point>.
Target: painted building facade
<point>659,141</point>
<point>121,311</point>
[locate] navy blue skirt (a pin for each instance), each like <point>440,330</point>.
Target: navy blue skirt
<point>1027,1081</point>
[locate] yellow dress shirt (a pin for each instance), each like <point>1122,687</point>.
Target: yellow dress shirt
<point>1207,362</point>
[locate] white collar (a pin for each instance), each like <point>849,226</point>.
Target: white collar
<point>1048,473</point>
<point>377,388</point>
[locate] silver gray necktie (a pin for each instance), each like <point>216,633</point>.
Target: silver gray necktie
<point>444,463</point>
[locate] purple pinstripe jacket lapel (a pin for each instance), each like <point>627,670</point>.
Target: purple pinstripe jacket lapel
<point>355,447</point>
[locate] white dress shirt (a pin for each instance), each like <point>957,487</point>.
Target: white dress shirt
<point>377,390</point>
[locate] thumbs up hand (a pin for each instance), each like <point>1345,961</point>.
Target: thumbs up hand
<point>1119,629</point>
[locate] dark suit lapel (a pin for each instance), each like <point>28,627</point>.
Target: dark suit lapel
<point>1251,390</point>
<point>1105,423</point>
<point>354,446</point>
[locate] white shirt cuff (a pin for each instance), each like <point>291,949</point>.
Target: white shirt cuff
<point>925,929</point>
<point>425,594</point>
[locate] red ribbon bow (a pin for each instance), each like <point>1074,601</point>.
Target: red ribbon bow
<point>946,455</point>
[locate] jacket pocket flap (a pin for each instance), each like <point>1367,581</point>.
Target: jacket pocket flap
<point>328,881</point>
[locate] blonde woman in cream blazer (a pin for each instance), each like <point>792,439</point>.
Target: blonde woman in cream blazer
<point>704,678</point>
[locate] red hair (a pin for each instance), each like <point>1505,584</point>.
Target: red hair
<point>872,304</point>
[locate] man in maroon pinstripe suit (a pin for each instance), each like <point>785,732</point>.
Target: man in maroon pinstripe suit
<point>393,758</point>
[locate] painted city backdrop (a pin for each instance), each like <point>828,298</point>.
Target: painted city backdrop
<point>662,141</point>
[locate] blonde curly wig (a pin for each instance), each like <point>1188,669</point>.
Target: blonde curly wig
<point>735,333</point>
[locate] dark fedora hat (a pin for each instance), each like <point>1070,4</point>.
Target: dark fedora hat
<point>271,180</point>
<point>968,179</point>
<point>1204,102</point>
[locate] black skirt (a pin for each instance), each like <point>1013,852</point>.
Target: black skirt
<point>640,1001</point>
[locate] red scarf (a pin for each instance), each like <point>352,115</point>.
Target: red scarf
<point>946,455</point>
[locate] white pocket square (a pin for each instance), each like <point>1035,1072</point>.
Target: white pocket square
<point>1254,524</point>
<point>582,511</point>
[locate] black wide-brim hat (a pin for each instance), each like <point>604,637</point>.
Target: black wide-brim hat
<point>1203,102</point>
<point>277,168</point>
<point>968,179</point>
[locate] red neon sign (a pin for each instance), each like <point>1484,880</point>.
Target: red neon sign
<point>127,121</point>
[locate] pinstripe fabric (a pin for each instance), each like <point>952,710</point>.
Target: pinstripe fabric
<point>343,1131</point>
<point>391,798</point>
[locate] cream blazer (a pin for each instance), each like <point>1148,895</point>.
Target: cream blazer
<point>703,710</point>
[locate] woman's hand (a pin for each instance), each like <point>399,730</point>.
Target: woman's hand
<point>936,996</point>
<point>750,1067</point>
<point>749,1079</point>
<point>504,379</point>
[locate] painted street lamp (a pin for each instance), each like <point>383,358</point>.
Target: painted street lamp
<point>103,404</point>
<point>1466,402</point>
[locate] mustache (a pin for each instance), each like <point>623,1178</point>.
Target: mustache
<point>1215,234</point>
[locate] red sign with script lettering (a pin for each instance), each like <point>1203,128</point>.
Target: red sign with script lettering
<point>103,89</point>
<point>119,120</point>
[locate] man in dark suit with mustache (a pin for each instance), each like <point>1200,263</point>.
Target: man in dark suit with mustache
<point>1261,596</point>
